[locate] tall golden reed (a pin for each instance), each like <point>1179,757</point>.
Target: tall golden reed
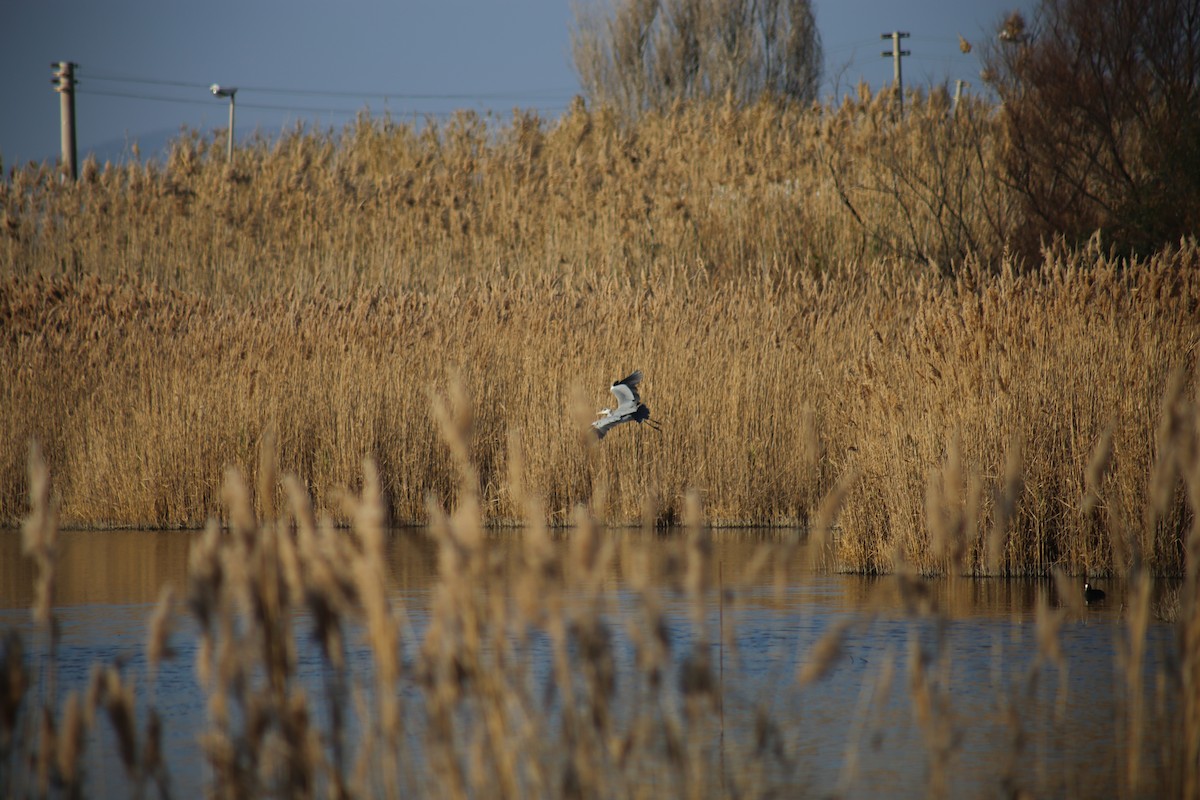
<point>771,396</point>
<point>820,298</point>
<point>708,186</point>
<point>474,721</point>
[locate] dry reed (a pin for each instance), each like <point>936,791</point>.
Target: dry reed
<point>156,391</point>
<point>832,337</point>
<point>708,186</point>
<point>474,721</point>
<point>841,269</point>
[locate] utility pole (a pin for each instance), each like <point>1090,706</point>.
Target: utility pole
<point>64,83</point>
<point>230,92</point>
<point>959,85</point>
<point>896,54</point>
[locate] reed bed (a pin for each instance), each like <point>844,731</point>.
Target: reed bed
<point>511,689</point>
<point>833,334</point>
<point>1052,410</point>
<point>725,189</point>
<point>820,297</point>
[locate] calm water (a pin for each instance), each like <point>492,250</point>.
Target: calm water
<point>109,581</point>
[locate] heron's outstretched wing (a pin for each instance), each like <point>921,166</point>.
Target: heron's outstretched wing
<point>625,390</point>
<point>633,379</point>
<point>603,424</point>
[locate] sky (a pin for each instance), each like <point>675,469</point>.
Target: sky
<point>145,65</point>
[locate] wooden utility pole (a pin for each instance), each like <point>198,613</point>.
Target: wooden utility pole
<point>64,83</point>
<point>896,54</point>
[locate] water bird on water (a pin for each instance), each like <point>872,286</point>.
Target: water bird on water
<point>1091,594</point>
<point>629,406</point>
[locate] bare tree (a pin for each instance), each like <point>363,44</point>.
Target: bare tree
<point>928,191</point>
<point>649,54</point>
<point>1102,119</point>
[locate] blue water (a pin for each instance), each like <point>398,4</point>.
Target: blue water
<point>841,734</point>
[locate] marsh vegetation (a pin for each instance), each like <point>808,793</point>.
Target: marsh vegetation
<point>854,323</point>
<point>579,664</point>
<point>796,331</point>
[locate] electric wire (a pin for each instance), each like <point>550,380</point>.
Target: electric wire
<point>543,93</point>
<point>857,53</point>
<point>319,110</point>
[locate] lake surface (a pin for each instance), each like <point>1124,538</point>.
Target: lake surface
<point>981,648</point>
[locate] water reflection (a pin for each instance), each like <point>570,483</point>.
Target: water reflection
<point>100,567</point>
<point>131,566</point>
<point>846,733</point>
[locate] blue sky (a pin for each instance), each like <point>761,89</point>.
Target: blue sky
<point>145,65</point>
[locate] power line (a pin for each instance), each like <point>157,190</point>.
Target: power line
<point>919,39</point>
<point>552,93</point>
<point>194,101</point>
<point>545,93</point>
<point>149,81</point>
<point>157,98</point>
<point>849,46</point>
<point>349,112</point>
<point>947,59</point>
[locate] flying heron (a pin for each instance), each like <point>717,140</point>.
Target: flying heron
<point>629,407</point>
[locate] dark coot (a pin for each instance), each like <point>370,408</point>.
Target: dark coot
<point>1091,594</point>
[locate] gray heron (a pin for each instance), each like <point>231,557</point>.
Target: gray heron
<point>629,407</point>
